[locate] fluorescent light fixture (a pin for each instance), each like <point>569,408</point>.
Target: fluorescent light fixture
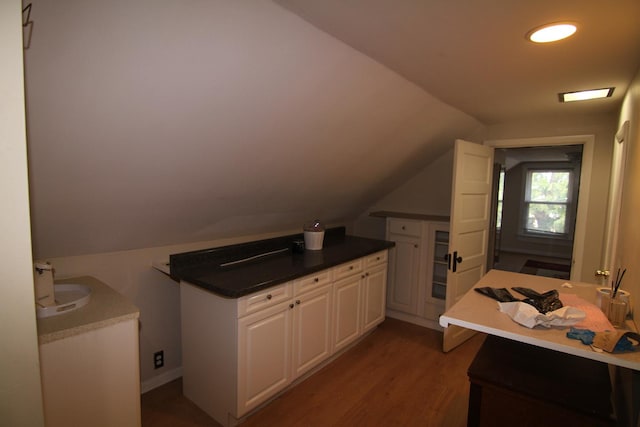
<point>584,95</point>
<point>552,32</point>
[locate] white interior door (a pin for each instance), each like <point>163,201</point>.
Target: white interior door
<point>609,261</point>
<point>469,229</point>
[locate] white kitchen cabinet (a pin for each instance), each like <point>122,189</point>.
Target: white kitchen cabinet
<point>404,264</point>
<point>347,303</point>
<point>417,270</point>
<point>264,354</point>
<point>279,343</point>
<point>239,353</point>
<point>374,290</point>
<point>360,298</point>
<point>312,320</point>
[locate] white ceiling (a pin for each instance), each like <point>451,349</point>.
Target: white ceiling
<point>473,55</point>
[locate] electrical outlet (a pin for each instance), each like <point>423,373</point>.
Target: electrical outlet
<point>158,359</point>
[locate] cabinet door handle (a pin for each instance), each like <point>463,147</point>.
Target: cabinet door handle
<point>415,246</point>
<point>297,302</point>
<point>404,228</point>
<point>290,305</point>
<point>316,280</point>
<point>269,296</point>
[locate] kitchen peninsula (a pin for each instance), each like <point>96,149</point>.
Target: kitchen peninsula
<point>259,316</point>
<point>542,364</point>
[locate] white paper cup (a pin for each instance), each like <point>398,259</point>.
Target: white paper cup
<point>313,240</point>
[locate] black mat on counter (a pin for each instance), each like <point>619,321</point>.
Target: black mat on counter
<point>547,269</point>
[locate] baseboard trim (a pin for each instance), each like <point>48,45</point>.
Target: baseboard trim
<point>410,318</point>
<point>161,379</point>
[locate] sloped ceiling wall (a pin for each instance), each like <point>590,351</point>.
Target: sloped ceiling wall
<point>162,122</point>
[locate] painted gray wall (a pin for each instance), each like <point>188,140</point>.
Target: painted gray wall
<point>160,122</point>
<point>20,390</point>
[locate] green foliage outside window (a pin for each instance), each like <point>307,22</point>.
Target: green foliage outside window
<point>547,197</point>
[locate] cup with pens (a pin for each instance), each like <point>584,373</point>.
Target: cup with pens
<point>613,306</point>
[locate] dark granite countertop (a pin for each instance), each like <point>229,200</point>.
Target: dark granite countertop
<point>237,270</point>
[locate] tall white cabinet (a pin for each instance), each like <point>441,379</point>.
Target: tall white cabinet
<point>404,264</point>
<point>417,270</point>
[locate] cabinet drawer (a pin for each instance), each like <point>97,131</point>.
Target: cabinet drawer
<point>375,259</point>
<point>347,269</point>
<point>312,281</point>
<point>263,299</point>
<point>405,226</point>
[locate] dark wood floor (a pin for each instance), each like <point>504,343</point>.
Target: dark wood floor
<point>397,376</point>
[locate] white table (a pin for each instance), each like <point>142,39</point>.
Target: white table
<point>480,313</point>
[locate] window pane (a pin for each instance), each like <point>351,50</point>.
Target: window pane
<point>501,186</point>
<point>549,218</point>
<point>500,196</point>
<point>546,186</point>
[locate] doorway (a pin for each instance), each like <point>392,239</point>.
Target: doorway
<point>541,231</point>
<point>536,204</point>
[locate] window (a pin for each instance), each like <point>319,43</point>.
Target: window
<point>547,201</point>
<point>500,197</point>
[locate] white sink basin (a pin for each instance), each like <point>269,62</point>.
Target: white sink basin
<point>69,297</point>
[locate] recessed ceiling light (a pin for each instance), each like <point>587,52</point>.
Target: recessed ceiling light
<point>552,32</point>
<point>584,95</point>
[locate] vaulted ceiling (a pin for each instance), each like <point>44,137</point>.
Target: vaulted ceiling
<point>158,122</point>
<point>473,54</point>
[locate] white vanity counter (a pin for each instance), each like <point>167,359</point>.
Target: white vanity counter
<point>89,361</point>
<point>106,307</point>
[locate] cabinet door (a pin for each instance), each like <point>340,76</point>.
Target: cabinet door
<point>92,379</point>
<point>312,329</point>
<point>404,260</point>
<point>264,351</point>
<point>374,290</point>
<point>436,282</point>
<point>347,302</point>
<point>440,244</point>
